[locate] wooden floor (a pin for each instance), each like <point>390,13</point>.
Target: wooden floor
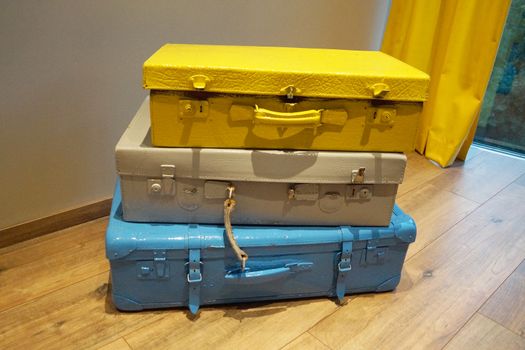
<point>463,284</point>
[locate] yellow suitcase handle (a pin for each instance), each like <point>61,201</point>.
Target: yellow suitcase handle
<point>311,118</point>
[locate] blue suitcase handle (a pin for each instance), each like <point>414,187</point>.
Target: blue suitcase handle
<point>267,275</point>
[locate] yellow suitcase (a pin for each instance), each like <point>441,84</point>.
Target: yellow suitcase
<point>282,98</point>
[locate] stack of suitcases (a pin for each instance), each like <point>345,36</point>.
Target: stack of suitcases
<point>259,173</point>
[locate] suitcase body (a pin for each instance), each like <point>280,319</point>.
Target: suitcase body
<point>167,265</point>
<point>283,98</point>
<point>189,185</point>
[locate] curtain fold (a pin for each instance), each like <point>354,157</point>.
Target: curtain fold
<point>455,42</point>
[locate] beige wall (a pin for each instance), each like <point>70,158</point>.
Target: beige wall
<point>71,78</point>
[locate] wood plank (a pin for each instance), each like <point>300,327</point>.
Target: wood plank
<point>34,274</point>
<point>507,305</point>
<point>119,344</point>
<point>435,211</point>
<point>419,171</point>
<point>65,236</point>
<point>306,341</point>
<point>481,333</point>
<point>55,243</point>
<point>32,229</point>
<point>442,287</point>
<point>75,317</point>
<point>481,177</point>
<point>253,326</point>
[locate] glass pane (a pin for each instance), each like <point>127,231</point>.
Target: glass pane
<point>502,116</point>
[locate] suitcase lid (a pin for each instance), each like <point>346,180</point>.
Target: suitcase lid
<point>136,157</point>
<point>325,73</point>
<point>124,238</point>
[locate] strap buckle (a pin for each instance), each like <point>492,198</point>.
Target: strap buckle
<point>194,277</point>
<point>344,265</point>
<point>194,272</point>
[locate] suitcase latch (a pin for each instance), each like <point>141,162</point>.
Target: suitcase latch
<point>199,81</point>
<point>358,192</point>
<point>374,255</point>
<point>358,176</point>
<point>193,108</point>
<point>382,117</point>
<point>161,266</point>
<point>158,268</point>
<point>303,192</point>
<point>379,90</point>
<point>166,184</point>
<point>290,91</point>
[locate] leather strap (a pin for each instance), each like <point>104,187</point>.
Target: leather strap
<point>345,262</point>
<point>194,276</point>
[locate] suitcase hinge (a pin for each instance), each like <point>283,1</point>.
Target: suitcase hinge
<point>345,263</point>
<point>358,176</point>
<point>165,185</point>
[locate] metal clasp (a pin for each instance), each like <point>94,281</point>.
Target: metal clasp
<point>344,265</point>
<point>199,81</point>
<point>194,275</point>
<point>290,91</point>
<point>358,176</point>
<point>379,90</point>
<point>231,191</point>
<point>191,279</point>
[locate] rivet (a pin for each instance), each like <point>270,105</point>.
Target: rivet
<point>188,108</point>
<point>386,117</point>
<point>363,193</point>
<point>156,187</point>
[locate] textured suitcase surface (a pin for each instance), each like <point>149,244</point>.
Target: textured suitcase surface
<point>283,98</point>
<point>166,265</point>
<point>271,187</point>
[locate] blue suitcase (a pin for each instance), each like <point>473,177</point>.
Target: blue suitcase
<point>168,265</point>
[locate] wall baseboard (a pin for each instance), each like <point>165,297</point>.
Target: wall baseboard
<point>40,227</point>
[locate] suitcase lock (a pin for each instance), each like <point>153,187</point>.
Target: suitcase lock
<point>165,185</point>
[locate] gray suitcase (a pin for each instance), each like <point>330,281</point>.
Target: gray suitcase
<point>190,185</point>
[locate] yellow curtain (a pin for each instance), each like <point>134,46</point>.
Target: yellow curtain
<point>455,42</point>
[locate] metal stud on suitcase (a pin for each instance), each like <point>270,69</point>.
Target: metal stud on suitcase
<point>190,185</point>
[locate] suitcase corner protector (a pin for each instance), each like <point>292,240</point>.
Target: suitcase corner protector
<point>125,304</point>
